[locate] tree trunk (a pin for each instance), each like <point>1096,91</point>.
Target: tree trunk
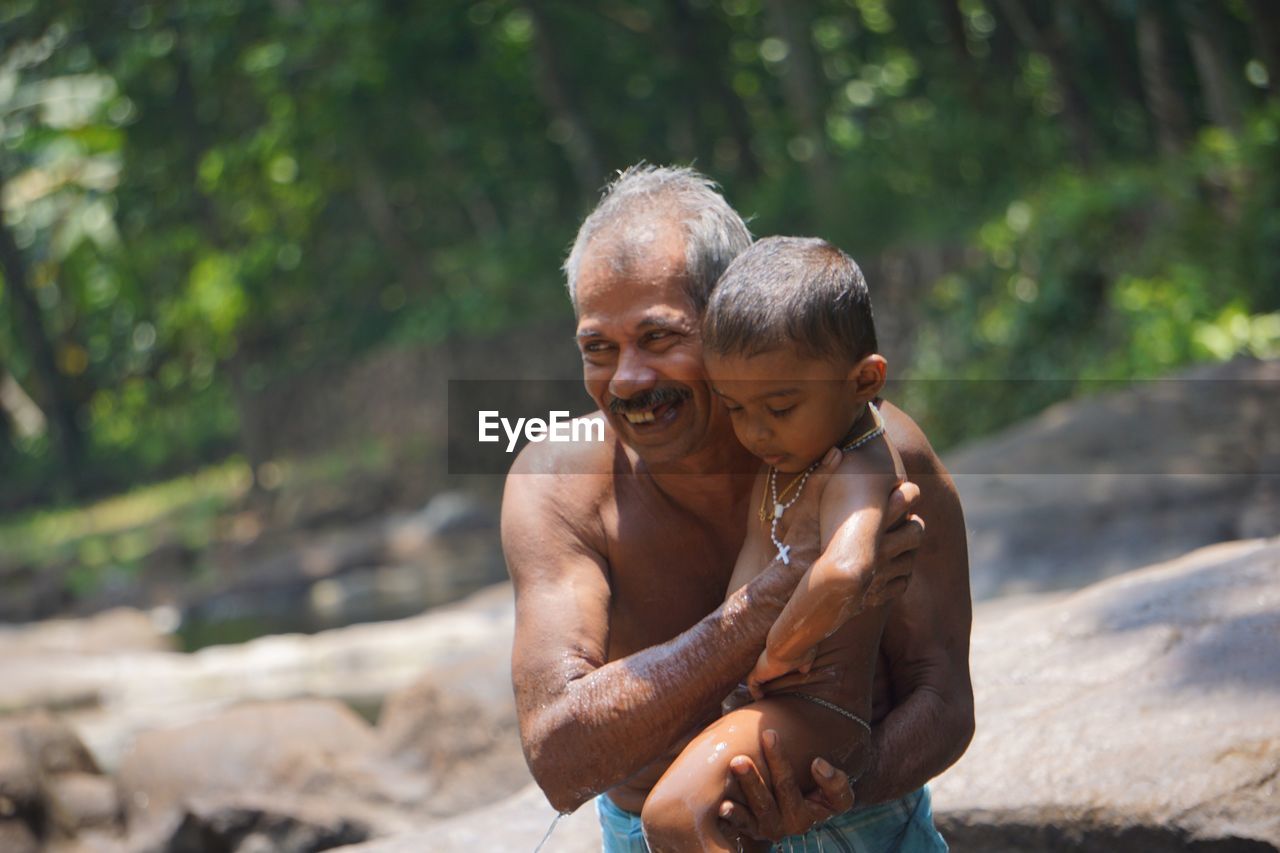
<point>1121,61</point>
<point>803,92</point>
<point>18,412</point>
<point>580,146</point>
<point>705,55</point>
<point>1213,64</point>
<point>1168,111</point>
<point>954,22</point>
<point>68,440</point>
<point>381,216</point>
<point>1047,41</point>
<point>474,200</point>
<point>1265,27</point>
<point>970,69</point>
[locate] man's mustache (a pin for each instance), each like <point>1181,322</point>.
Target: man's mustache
<point>650,399</point>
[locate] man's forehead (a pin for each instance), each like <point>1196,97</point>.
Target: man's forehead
<point>642,246</point>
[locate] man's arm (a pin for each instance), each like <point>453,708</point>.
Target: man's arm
<point>926,639</point>
<point>587,724</point>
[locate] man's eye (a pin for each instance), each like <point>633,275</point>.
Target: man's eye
<point>595,346</point>
<point>733,410</point>
<point>782,413</point>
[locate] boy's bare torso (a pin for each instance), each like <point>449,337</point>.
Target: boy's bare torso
<point>668,568</point>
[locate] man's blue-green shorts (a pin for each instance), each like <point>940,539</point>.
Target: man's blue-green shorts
<point>904,825</point>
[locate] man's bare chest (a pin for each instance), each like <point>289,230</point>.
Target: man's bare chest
<point>663,579</point>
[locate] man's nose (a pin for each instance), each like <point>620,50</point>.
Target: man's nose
<point>632,375</point>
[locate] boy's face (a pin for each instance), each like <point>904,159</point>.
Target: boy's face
<point>789,410</point>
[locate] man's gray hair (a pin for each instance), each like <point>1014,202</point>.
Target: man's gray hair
<point>714,233</point>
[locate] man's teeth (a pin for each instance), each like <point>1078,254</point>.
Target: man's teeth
<point>640,417</point>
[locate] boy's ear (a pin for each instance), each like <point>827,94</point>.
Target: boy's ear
<point>868,375</point>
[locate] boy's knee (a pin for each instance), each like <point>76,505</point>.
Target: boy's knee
<point>670,822</point>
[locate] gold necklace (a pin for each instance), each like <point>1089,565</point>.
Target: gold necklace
<point>876,429</point>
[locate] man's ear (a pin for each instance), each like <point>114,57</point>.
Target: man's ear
<point>868,375</point>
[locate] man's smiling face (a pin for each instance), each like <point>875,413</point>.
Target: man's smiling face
<point>640,339</point>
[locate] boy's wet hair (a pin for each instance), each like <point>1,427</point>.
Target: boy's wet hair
<point>800,292</point>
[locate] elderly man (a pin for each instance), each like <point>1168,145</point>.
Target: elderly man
<point>621,551</point>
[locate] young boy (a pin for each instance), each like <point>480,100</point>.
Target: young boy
<point>790,348</point>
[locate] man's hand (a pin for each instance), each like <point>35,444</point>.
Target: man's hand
<point>901,533</point>
<point>869,583</point>
<point>773,814</point>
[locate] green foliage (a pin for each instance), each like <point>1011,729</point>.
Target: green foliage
<point>1132,273</point>
<point>210,195</point>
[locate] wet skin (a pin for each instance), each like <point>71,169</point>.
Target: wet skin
<point>621,553</point>
<point>791,410</point>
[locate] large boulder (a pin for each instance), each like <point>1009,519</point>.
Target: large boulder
<point>1140,713</point>
<point>466,747</point>
<point>114,631</point>
<point>303,775</point>
<point>1115,481</point>
<point>109,698</point>
<point>50,787</point>
<point>518,822</point>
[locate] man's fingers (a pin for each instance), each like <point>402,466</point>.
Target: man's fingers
<point>901,500</point>
<point>785,788</point>
<point>738,817</point>
<point>830,462</point>
<point>759,799</point>
<point>833,784</point>
<point>904,538</point>
<point>889,591</point>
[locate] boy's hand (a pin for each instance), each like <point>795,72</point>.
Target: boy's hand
<point>767,669</point>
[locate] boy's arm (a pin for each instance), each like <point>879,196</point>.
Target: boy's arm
<point>926,649</point>
<point>830,592</point>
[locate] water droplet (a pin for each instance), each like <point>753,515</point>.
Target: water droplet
<point>550,829</point>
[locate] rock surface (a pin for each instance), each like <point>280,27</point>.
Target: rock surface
<point>50,787</point>
<point>1140,713</point>
<point>517,823</point>
<point>110,698</point>
<point>217,750</point>
<point>296,776</point>
<point>1097,486</point>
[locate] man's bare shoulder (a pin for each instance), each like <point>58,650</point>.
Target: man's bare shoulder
<point>564,458</point>
<point>555,490</point>
<point>918,456</point>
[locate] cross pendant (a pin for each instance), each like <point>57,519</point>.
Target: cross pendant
<point>783,551</point>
